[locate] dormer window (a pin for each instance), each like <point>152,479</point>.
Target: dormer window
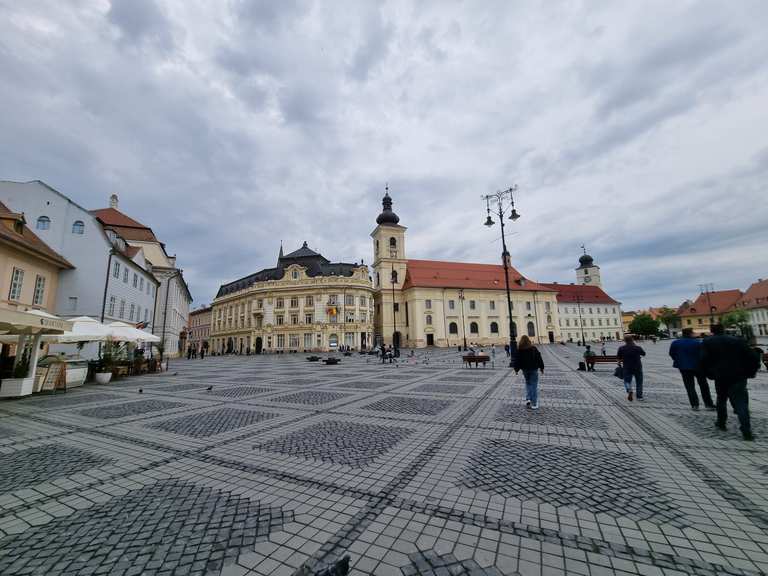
<point>43,223</point>
<point>295,274</point>
<point>78,227</point>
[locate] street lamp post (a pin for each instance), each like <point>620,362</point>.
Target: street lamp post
<point>581,322</point>
<point>505,204</point>
<point>463,323</point>
<point>707,288</point>
<point>395,342</point>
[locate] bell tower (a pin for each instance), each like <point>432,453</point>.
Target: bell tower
<point>389,269</point>
<point>588,273</point>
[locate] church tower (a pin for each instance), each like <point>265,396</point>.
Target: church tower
<point>588,273</point>
<point>389,269</point>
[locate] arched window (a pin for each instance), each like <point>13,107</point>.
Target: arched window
<point>494,328</point>
<point>394,276</point>
<point>429,320</point>
<point>78,227</point>
<point>43,223</point>
<point>473,328</point>
<point>393,242</point>
<point>531,329</point>
<point>453,328</point>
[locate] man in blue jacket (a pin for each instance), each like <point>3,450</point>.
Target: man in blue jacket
<point>686,356</point>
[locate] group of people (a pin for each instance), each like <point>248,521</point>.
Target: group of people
<point>728,360</point>
<point>193,352</point>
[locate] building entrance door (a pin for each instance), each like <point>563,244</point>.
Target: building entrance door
<point>551,337</point>
<point>363,341</point>
<point>259,345</point>
<point>430,339</point>
<point>396,340</point>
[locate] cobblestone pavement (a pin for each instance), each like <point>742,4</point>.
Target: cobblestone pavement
<point>285,466</point>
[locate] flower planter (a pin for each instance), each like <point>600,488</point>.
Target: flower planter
<point>16,387</point>
<point>103,377</point>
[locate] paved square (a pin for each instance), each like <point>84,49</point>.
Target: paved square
<point>286,466</point>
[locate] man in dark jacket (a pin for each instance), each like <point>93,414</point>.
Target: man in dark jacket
<point>686,354</point>
<point>629,356</point>
<point>730,362</point>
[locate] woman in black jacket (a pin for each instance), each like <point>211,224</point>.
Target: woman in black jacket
<point>529,360</point>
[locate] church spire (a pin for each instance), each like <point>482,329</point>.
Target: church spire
<point>280,255</point>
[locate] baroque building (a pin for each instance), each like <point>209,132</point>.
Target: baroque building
<point>435,303</point>
<point>304,303</point>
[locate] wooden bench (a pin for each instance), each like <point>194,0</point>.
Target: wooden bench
<point>332,361</point>
<point>469,360</point>
<point>601,360</point>
<point>313,358</point>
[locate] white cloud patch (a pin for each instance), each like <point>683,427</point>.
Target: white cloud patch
<point>638,129</point>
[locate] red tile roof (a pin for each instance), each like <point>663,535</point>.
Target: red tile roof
<point>720,300</point>
<point>573,293</point>
<point>756,296</point>
<point>125,226</point>
<point>437,274</point>
<point>29,241</point>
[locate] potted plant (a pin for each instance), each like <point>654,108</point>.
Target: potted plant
<point>21,384</point>
<point>106,362</point>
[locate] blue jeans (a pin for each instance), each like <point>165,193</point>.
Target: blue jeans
<point>638,374</point>
<point>532,385</point>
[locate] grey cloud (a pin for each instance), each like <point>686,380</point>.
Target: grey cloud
<point>140,21</point>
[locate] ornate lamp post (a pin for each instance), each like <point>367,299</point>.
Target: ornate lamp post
<point>463,323</point>
<point>504,204</point>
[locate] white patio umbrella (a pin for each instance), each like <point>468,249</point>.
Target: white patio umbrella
<point>81,329</point>
<point>126,333</point>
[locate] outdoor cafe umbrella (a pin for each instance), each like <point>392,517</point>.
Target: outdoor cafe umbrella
<point>81,329</point>
<point>123,332</point>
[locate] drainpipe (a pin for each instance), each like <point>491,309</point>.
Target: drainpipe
<point>106,285</point>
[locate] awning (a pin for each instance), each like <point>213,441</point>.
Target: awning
<point>31,322</point>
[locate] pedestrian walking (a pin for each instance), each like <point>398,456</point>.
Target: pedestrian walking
<point>189,352</point>
<point>529,360</point>
<point>730,362</point>
<point>602,349</point>
<point>630,359</point>
<point>686,357</point>
<point>589,358</point>
<point>202,352</point>
<point>506,349</point>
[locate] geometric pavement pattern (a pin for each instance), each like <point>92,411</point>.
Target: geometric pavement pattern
<point>311,397</point>
<point>570,417</point>
<point>172,527</point>
<point>408,405</point>
<point>32,466</point>
<point>211,423</point>
<point>613,483</point>
<point>128,409</point>
<point>346,443</point>
<point>539,483</point>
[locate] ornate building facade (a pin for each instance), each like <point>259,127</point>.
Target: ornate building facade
<point>434,303</point>
<point>305,303</point>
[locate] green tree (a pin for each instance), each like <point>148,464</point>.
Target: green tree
<point>736,318</point>
<point>668,317</point>
<point>644,325</point>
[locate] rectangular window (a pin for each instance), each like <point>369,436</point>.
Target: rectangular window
<point>363,317</point>
<point>349,339</point>
<point>492,305</point>
<point>281,340</point>
<point>308,340</point>
<point>111,310</point>
<point>528,306</point>
<point>39,296</point>
<point>125,275</point>
<point>472,304</point>
<point>350,317</point>
<point>309,301</point>
<point>590,310</point>
<point>567,322</point>
<point>294,340</point>
<point>294,319</point>
<point>349,300</point>
<point>17,281</point>
<point>148,287</point>
<point>135,280</point>
<point>307,318</point>
<point>451,304</point>
<point>116,270</point>
<point>259,303</point>
<point>279,303</point>
<point>122,308</point>
<point>397,307</point>
<point>332,299</point>
<point>546,306</point>
<point>428,304</point>
<point>132,312</point>
<point>141,284</point>
<point>279,320</point>
<point>294,302</point>
<point>72,303</point>
<point>363,301</point>
<point>146,314</point>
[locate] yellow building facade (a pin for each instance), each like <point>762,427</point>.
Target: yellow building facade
<point>305,303</point>
<point>422,303</point>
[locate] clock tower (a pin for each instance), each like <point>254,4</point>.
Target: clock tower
<point>588,273</point>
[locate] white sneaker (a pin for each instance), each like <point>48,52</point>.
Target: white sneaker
<point>535,406</point>
<point>527,403</point>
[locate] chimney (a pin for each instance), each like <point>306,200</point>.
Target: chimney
<point>113,201</point>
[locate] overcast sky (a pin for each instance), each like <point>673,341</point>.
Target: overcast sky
<point>637,128</point>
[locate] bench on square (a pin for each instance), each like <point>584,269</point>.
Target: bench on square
<point>332,361</point>
<point>469,360</point>
<point>603,360</point>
